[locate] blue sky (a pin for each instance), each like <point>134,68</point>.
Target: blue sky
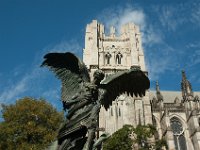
<point>31,28</point>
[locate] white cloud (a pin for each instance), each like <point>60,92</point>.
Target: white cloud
<point>195,55</point>
<point>157,67</point>
<point>122,15</point>
<point>168,18</point>
<point>194,45</point>
<point>196,17</point>
<point>195,13</point>
<point>16,88</point>
<point>126,16</point>
<point>179,14</point>
<point>65,46</point>
<point>161,59</point>
<point>52,94</point>
<point>161,56</point>
<point>150,35</point>
<point>36,81</point>
<point>136,16</point>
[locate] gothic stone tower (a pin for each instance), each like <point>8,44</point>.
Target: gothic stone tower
<point>112,53</point>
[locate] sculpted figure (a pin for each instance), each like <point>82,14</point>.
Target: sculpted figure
<point>82,98</point>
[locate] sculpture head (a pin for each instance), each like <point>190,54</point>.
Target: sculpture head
<point>98,76</point>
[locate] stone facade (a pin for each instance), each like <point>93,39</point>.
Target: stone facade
<point>176,117</point>
<point>112,53</point>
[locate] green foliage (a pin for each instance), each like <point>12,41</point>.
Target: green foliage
<point>120,140</point>
<point>161,143</point>
<point>29,124</point>
<point>142,133</point>
<point>126,137</point>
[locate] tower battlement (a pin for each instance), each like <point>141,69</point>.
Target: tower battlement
<point>176,117</point>
<point>123,35</point>
<point>113,51</point>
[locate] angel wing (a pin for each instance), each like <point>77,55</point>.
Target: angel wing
<point>70,70</point>
<point>133,81</point>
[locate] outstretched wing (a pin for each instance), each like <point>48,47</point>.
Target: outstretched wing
<point>133,81</point>
<point>70,70</point>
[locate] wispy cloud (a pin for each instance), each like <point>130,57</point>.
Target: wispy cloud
<point>119,16</point>
<point>53,94</point>
<point>66,46</point>
<point>193,61</point>
<point>195,13</point>
<point>172,16</point>
<point>35,81</point>
<point>161,55</point>
<point>14,89</point>
<point>160,59</point>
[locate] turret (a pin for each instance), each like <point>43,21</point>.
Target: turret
<point>158,93</point>
<point>186,88</point>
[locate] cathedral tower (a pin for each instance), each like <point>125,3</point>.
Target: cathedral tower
<point>112,53</point>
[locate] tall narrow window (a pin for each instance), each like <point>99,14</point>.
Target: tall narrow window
<point>119,58</point>
<point>107,58</point>
<point>111,111</point>
<point>119,112</point>
<point>178,132</point>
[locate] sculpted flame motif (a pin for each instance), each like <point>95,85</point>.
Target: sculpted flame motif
<point>83,98</point>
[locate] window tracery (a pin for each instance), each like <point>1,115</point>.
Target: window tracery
<point>178,132</point>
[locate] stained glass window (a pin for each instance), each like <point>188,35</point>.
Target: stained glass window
<point>177,129</point>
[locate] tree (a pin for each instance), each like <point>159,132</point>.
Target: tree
<point>120,140</point>
<point>128,137</point>
<point>141,134</point>
<point>29,124</point>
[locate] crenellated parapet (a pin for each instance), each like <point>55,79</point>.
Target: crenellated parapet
<point>113,50</point>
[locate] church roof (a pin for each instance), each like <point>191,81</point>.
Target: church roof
<point>170,96</point>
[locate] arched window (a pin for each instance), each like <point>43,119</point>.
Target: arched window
<point>107,58</point>
<point>119,58</point>
<point>111,111</point>
<point>178,132</point>
<point>119,112</point>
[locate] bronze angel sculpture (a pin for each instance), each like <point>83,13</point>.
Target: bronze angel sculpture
<point>83,98</point>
